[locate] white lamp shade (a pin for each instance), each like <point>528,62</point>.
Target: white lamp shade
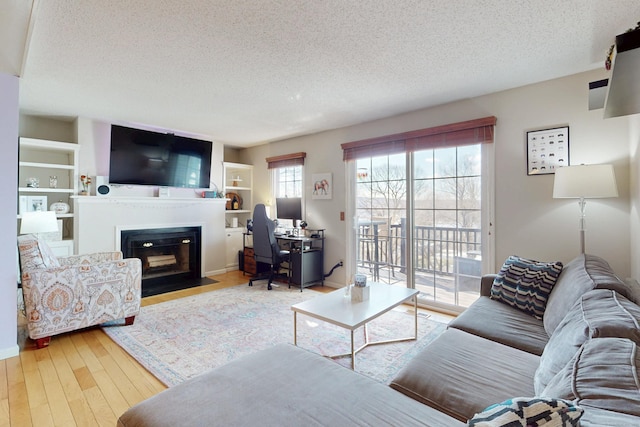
<point>38,222</point>
<point>585,181</point>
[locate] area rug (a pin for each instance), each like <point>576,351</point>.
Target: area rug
<point>179,339</point>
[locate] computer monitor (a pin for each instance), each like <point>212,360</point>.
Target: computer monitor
<point>289,208</point>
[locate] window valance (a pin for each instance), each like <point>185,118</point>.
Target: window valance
<point>451,135</point>
<point>285,160</point>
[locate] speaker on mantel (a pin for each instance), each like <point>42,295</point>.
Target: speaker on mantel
<point>102,186</point>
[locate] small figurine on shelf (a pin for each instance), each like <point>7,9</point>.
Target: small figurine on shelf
<point>85,181</point>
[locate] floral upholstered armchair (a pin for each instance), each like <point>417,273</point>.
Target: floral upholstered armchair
<point>70,293</point>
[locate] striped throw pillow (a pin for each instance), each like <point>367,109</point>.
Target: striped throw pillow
<point>526,284</point>
<point>530,412</point>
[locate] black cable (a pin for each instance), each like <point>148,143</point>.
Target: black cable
<point>334,267</point>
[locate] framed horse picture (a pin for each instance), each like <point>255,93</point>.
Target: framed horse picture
<point>322,186</point>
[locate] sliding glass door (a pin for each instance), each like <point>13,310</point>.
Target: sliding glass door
<point>418,222</point>
<point>447,230</point>
<point>381,196</point>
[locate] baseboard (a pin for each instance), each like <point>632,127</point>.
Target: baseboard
<point>332,284</point>
<point>6,353</point>
<point>214,272</point>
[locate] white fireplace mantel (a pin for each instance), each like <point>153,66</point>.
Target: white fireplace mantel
<point>98,221</point>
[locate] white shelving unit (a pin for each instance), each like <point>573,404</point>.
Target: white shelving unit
<point>238,180</point>
<point>42,159</point>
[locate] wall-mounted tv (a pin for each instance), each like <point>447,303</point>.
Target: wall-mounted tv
<point>143,157</point>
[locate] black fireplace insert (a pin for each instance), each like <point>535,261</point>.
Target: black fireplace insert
<point>171,257</point>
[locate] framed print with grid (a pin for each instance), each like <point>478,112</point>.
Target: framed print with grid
<point>547,150</point>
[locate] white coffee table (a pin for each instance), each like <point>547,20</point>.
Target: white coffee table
<point>337,309</point>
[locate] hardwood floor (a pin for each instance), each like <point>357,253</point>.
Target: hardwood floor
<point>83,378</point>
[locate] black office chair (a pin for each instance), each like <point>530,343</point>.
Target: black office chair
<point>265,246</point>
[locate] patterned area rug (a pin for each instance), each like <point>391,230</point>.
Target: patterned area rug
<point>179,339</point>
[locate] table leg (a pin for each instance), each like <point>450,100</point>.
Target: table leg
<point>366,334</point>
<point>295,328</point>
<point>353,354</point>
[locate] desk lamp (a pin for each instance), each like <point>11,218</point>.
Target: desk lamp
<point>38,222</point>
<point>584,182</point>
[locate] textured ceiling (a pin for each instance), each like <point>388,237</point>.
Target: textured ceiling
<point>245,72</point>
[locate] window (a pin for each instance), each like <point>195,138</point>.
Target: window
<point>421,203</point>
<point>287,175</point>
<point>287,181</point>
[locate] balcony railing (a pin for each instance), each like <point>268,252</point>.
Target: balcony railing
<point>437,248</point>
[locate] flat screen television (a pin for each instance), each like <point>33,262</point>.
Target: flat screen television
<point>289,208</point>
<point>143,157</point>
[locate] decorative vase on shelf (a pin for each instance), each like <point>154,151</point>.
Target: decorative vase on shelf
<point>85,181</point>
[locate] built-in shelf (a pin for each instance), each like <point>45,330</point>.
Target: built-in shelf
<point>45,190</point>
<point>238,179</point>
<point>242,176</point>
<point>41,160</point>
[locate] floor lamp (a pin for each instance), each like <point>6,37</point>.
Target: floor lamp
<point>584,182</point>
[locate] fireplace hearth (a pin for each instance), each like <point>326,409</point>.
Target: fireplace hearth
<point>171,257</point>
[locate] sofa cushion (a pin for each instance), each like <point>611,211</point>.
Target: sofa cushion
<point>525,284</point>
<point>596,417</point>
<point>460,374</point>
<point>582,274</point>
<point>604,374</point>
<point>516,328</point>
<point>599,313</point>
<point>528,411</point>
<point>281,386</point>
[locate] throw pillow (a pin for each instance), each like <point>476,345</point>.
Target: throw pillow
<point>49,258</point>
<point>528,411</point>
<point>601,313</point>
<point>526,284</point>
<point>30,256</point>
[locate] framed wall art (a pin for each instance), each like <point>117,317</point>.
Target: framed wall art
<point>547,149</point>
<point>321,186</point>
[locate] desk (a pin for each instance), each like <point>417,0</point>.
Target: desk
<point>306,258</point>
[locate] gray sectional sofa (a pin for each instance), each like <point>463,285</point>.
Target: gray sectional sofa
<point>583,350</point>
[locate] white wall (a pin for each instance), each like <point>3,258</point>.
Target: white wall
<point>528,221</point>
<point>9,194</point>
